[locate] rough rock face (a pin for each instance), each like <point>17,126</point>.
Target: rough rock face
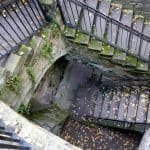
<point>46,90</point>
<point>51,119</point>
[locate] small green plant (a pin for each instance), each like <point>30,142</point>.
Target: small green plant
<point>54,30</point>
<point>14,83</point>
<point>25,110</point>
<point>31,73</point>
<point>47,51</point>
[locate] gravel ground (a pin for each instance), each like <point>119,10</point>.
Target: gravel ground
<point>99,138</point>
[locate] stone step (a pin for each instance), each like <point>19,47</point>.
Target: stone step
<point>106,103</point>
<point>90,100</point>
<point>14,63</point>
<point>134,43</point>
<point>115,104</point>
<point>119,56</point>
<point>100,23</point>
<point>123,107</point>
<point>87,18</point>
<point>131,61</point>
<point>86,22</point>
<point>69,32</point>
<point>95,45</point>
<point>133,104</point>
<point>71,12</point>
<point>145,46</point>
<point>142,66</point>
<point>81,38</point>
<point>123,36</point>
<point>142,106</point>
<point>107,50</point>
<point>115,13</point>
<point>98,104</point>
<point>17,26</point>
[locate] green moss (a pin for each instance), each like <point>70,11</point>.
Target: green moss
<point>142,66</point>
<point>107,50</point>
<point>52,115</point>
<point>24,110</point>
<point>33,42</point>
<point>82,38</point>
<point>14,83</point>
<point>23,49</point>
<point>54,30</point>
<point>31,73</point>
<point>119,55</point>
<point>131,60</point>
<point>95,44</point>
<point>47,51</point>
<point>44,33</point>
<point>69,32</point>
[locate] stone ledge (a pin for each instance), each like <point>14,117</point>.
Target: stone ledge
<point>39,138</point>
<point>145,142</point>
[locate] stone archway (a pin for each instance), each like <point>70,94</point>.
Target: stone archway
<point>45,92</point>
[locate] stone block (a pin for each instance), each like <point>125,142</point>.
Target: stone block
<point>15,64</point>
<point>26,52</point>
<point>48,2</point>
<point>39,138</point>
<point>3,76</point>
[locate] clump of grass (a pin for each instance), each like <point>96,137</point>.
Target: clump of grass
<point>31,73</point>
<point>14,83</point>
<point>47,51</point>
<point>54,30</point>
<point>25,110</point>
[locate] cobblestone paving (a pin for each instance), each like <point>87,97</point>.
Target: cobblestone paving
<point>99,138</point>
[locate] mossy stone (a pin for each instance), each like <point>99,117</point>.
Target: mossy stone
<point>131,61</point>
<point>95,44</point>
<point>119,55</point>
<point>107,50</point>
<point>142,66</point>
<point>53,115</point>
<point>82,38</point>
<point>69,32</point>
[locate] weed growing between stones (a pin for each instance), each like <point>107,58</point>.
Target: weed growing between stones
<point>14,83</point>
<point>54,30</point>
<point>31,73</point>
<point>47,51</point>
<point>24,110</point>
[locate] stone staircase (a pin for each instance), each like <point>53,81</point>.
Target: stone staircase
<point>10,140</point>
<point>32,55</point>
<point>19,21</point>
<point>117,103</point>
<point>88,23</point>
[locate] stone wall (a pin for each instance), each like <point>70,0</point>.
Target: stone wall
<point>145,142</point>
<point>45,93</point>
<point>39,138</point>
<point>16,81</point>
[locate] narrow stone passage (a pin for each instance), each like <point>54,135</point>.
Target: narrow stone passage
<point>99,138</point>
